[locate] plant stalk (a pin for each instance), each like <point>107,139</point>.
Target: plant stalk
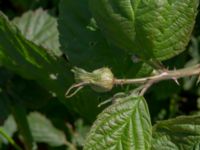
<point>147,81</point>
<point>9,139</point>
<point>166,75</point>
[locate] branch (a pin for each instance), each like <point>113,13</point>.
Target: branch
<point>167,75</point>
<point>103,79</point>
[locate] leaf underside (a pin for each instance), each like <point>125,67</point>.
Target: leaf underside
<point>41,28</point>
<point>43,130</point>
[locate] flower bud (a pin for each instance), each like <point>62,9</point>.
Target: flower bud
<point>103,80</point>
<point>100,80</point>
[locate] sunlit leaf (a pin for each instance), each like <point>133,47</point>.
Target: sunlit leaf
<point>152,29</point>
<point>124,125</point>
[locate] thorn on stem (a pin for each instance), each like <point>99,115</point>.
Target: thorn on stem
<point>176,81</point>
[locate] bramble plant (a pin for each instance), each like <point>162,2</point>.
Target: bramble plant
<point>100,54</point>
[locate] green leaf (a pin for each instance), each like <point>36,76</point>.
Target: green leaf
<point>41,28</point>
<point>5,76</point>
<point>84,44</point>
<point>31,61</point>
<point>43,130</point>
<point>124,125</point>
<point>32,95</point>
<point>85,47</point>
<point>182,133</point>
<point>4,107</point>
<point>151,29</point>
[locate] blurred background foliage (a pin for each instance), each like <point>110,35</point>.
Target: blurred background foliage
<point>60,124</point>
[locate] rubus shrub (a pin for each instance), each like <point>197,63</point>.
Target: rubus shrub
<point>101,59</point>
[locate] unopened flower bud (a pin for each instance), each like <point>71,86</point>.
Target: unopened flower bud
<point>103,80</point>
<point>100,80</point>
